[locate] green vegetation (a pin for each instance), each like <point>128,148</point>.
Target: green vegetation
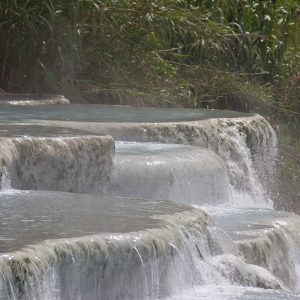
<point>168,52</point>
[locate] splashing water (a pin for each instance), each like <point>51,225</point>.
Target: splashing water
<point>91,247</point>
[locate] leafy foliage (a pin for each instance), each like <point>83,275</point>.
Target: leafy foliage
<point>191,52</point>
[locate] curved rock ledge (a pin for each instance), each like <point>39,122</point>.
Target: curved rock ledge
<point>110,248</point>
<point>248,145</point>
<point>180,173</point>
<point>267,238</point>
<point>246,142</point>
<point>72,164</point>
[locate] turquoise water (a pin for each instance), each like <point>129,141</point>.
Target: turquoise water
<point>102,113</point>
<point>32,217</point>
<point>29,217</point>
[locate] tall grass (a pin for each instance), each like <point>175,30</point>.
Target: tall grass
<point>194,51</point>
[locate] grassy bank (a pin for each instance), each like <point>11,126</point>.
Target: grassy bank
<point>164,52</point>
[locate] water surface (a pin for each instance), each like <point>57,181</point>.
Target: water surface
<point>21,130</point>
<point>102,113</point>
<point>28,217</point>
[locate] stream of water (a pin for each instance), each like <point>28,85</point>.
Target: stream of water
<point>101,202</point>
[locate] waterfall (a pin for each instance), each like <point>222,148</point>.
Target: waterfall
<point>178,251</point>
<point>248,146</point>
<point>100,245</point>
<point>5,180</point>
<point>75,164</point>
<point>245,142</point>
<point>185,174</point>
<point>266,238</point>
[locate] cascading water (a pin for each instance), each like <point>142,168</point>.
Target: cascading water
<point>164,250</point>
<point>247,146</point>
<point>144,165</point>
<point>168,171</point>
<point>104,247</point>
<point>137,259</point>
<point>246,143</point>
<point>35,163</point>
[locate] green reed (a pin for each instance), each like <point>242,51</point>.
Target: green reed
<point>171,48</point>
